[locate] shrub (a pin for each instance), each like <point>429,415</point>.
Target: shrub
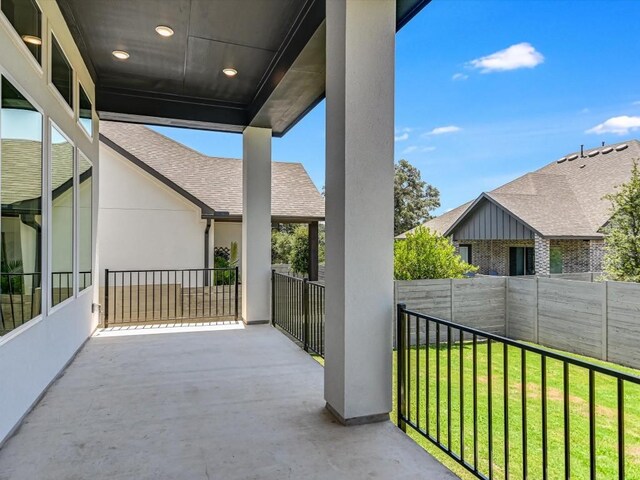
<point>425,254</point>
<point>299,257</point>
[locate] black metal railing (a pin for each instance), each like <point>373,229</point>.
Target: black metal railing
<point>505,409</point>
<point>297,307</point>
<point>144,296</point>
<point>19,299</point>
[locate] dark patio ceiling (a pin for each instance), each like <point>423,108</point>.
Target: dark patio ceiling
<point>277,47</point>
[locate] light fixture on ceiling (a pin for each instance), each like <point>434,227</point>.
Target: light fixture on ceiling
<point>120,54</point>
<point>230,72</point>
<point>32,39</point>
<point>164,31</point>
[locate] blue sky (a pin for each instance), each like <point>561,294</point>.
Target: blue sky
<point>489,90</point>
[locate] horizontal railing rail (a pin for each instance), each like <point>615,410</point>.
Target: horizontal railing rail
<point>161,295</point>
<point>297,307</point>
<point>500,407</point>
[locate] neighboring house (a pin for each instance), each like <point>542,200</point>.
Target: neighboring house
<point>547,221</point>
<point>166,206</point>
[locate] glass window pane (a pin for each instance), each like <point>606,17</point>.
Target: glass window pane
<point>85,111</point>
<point>61,217</point>
<point>85,172</point>
<point>61,72</point>
<point>21,222</point>
<point>26,18</point>
<point>555,260</point>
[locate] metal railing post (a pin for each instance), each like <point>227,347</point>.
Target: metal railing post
<point>400,374</point>
<point>273,297</point>
<point>237,289</point>
<point>305,312</point>
<point>106,297</point>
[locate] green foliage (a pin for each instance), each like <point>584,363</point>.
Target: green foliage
<point>281,244</point>
<point>622,243</point>
<point>425,254</point>
<point>413,198</point>
<point>233,260</point>
<point>9,283</point>
<point>299,257</point>
<point>223,277</point>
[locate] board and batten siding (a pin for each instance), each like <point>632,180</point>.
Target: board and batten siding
<point>490,222</point>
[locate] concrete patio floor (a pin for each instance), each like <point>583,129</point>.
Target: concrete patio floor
<point>201,403</point>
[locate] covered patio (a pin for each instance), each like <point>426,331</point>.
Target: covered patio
<point>225,402</point>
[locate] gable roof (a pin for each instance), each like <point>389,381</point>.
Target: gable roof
<point>212,183</point>
<point>561,199</point>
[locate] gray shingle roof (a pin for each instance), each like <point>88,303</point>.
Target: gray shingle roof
<point>217,182</point>
<point>563,198</point>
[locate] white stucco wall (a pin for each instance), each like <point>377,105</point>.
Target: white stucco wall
<point>227,232</point>
<point>143,223</point>
<point>32,355</point>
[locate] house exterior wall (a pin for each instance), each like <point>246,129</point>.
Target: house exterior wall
<point>596,255</point>
<point>575,255</point>
<point>492,256</point>
<point>32,355</point>
<point>226,233</point>
<point>143,223</point>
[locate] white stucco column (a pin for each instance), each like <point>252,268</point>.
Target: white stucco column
<point>359,208</point>
<point>256,224</point>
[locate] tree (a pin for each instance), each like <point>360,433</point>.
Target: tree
<point>281,244</point>
<point>299,257</point>
<point>622,241</point>
<point>426,254</point>
<point>413,198</point>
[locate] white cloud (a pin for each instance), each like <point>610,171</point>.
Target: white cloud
<point>584,111</point>
<point>636,103</point>
<point>619,125</point>
<point>521,55</point>
<point>443,130</point>
<point>402,137</point>
<point>417,149</point>
<point>459,76</point>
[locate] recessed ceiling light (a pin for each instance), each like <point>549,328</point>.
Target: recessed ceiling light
<point>32,39</point>
<point>164,31</point>
<point>230,72</point>
<point>120,54</point>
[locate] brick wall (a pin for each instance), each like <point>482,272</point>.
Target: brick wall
<point>492,256</point>
<point>542,246</point>
<point>596,255</point>
<point>575,255</point>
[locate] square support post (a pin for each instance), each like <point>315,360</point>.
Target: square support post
<point>313,251</point>
<point>256,224</point>
<point>359,209</point>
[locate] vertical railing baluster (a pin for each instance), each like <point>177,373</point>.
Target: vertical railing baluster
<point>106,298</point>
<point>505,353</point>
<point>400,374</point>
<point>438,382</point>
<point>418,370</point>
<point>449,389</point>
<point>490,405</point>
<point>567,436</point>
<point>621,452</point>
<point>523,399</point>
<point>475,400</point>
<point>461,390</point>
<point>545,452</point>
<point>592,424</point>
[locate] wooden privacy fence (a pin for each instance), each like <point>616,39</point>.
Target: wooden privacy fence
<point>597,319</point>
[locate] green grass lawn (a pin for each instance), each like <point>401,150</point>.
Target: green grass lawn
<point>606,413</point>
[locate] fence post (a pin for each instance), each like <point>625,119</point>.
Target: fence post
<point>305,312</point>
<point>273,297</point>
<point>536,324</point>
<point>106,297</point>
<point>400,373</point>
<point>237,281</point>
